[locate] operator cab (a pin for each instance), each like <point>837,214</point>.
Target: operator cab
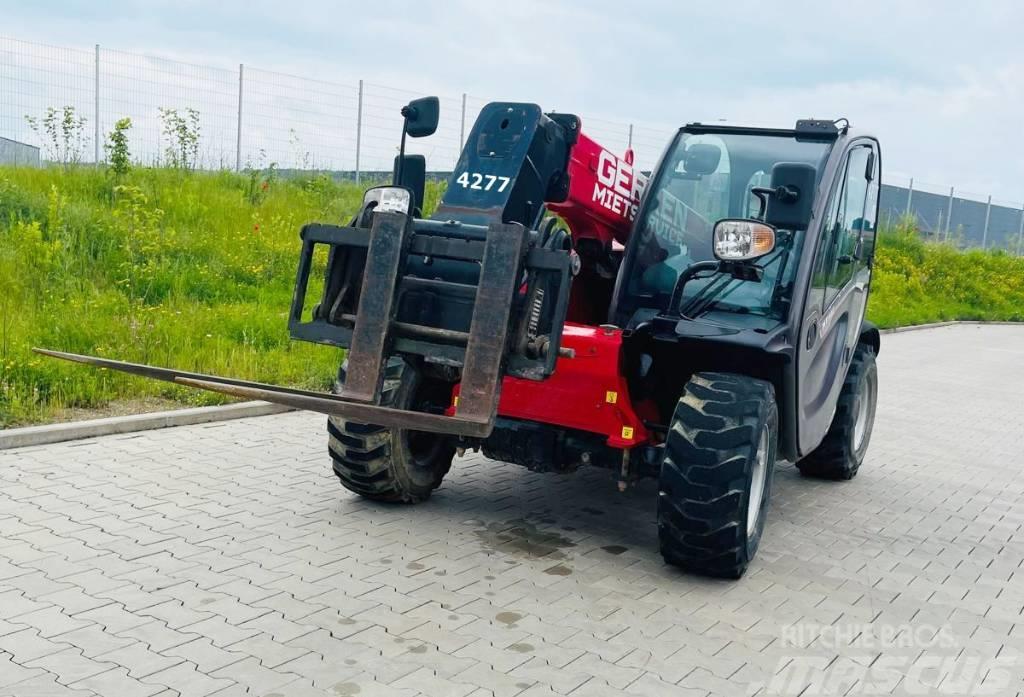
<point>713,173</point>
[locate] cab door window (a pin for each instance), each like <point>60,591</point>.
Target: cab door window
<point>870,223</point>
<point>840,245</point>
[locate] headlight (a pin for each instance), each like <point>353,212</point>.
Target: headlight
<point>394,199</point>
<point>742,240</point>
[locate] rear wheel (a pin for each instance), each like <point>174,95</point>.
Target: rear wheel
<point>716,474</point>
<point>840,454</point>
<point>393,464</point>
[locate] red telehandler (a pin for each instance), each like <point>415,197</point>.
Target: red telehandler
<point>560,308</point>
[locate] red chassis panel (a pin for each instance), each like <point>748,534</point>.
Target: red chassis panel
<point>587,392</point>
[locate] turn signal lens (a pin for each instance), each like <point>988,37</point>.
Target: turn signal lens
<point>740,240</point>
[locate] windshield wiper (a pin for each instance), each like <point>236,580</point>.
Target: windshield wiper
<point>702,302</point>
<point>704,298</point>
<point>706,295</point>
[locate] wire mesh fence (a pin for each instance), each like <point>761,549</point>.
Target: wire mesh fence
<point>145,89</point>
<point>295,122</point>
<point>947,214</point>
<point>62,102</point>
<point>37,77</point>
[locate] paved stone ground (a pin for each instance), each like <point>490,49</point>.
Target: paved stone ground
<point>224,559</point>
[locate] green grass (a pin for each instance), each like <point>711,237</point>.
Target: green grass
<point>917,282</point>
<point>191,271</point>
<point>195,271</point>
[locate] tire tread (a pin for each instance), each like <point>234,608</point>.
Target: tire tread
<point>713,436</point>
<point>361,454</point>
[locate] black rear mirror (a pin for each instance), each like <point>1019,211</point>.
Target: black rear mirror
<point>421,116</point>
<point>411,172</point>
<point>793,210</point>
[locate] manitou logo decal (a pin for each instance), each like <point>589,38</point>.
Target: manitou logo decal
<point>618,186</point>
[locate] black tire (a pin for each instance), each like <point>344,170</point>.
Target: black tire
<point>720,452</point>
<point>386,464</point>
<point>841,452</point>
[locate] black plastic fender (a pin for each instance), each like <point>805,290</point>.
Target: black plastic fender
<point>870,335</point>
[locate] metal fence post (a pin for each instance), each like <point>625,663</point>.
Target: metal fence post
<point>359,127</point>
<point>238,134</point>
<point>1020,233</point>
<point>949,212</point>
<point>96,111</point>
<point>629,144</point>
<point>910,195</point>
<point>988,213</point>
<point>462,127</point>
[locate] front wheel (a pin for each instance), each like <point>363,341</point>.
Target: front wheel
<point>716,475</point>
<point>393,464</point>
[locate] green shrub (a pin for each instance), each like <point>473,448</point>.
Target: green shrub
<point>916,282</point>
<point>119,158</point>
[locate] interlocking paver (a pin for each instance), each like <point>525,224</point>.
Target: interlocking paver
<point>93,640</point>
<point>118,683</point>
<point>11,672</point>
<point>502,660</point>
<point>224,559</point>
<point>219,631</point>
<point>323,671</point>
<point>251,673</point>
<point>365,685</point>
<point>70,665</point>
<point>50,621</point>
<point>73,600</point>
<point>425,681</point>
<point>175,614</point>
<point>537,670</point>
<point>113,618</point>
<point>499,683</point>
<point>274,625</point>
<point>139,660</point>
<point>204,654</point>
<point>157,635</point>
<point>187,681</point>
<point>270,653</point>
<point>27,645</point>
<point>36,585</point>
<point>15,602</point>
<point>45,685</point>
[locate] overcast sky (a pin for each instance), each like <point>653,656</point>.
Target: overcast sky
<point>942,83</point>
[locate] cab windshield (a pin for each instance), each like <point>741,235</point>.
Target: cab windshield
<point>707,177</point>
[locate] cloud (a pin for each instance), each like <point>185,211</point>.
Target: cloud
<point>939,81</point>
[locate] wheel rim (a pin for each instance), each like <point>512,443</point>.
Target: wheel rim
<point>860,426</point>
<point>757,479</point>
<point>423,447</point>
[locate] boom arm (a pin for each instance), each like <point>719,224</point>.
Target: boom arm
<point>604,193</point>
